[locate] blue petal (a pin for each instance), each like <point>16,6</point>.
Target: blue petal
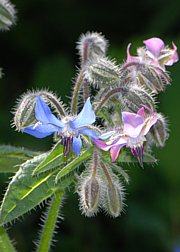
<point>107,134</point>
<point>77,145</point>
<point>89,132</point>
<point>86,117</point>
<point>44,114</point>
<point>40,131</point>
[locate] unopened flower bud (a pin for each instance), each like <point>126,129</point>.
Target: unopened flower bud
<point>90,195</point>
<point>114,201</point>
<point>103,72</point>
<point>159,131</point>
<point>7,14</point>
<point>134,96</point>
<point>153,78</point>
<point>114,194</point>
<point>24,113</point>
<point>91,46</point>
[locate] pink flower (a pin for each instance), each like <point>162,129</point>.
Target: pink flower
<point>157,51</point>
<point>154,46</point>
<point>135,128</point>
<point>131,58</point>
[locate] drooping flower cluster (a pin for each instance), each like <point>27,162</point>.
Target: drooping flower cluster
<point>123,114</point>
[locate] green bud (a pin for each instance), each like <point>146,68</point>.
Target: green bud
<point>90,196</point>
<point>7,14</point>
<point>91,46</point>
<point>134,96</point>
<point>114,201</point>
<point>102,72</point>
<point>153,78</point>
<point>24,112</point>
<point>159,131</point>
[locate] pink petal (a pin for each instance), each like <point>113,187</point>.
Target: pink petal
<point>130,58</point>
<point>115,152</point>
<point>154,46</point>
<point>141,112</point>
<point>101,145</point>
<point>120,140</point>
<point>133,124</point>
<point>150,123</point>
<point>174,57</point>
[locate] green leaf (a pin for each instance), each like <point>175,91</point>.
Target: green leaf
<point>5,243</point>
<point>53,159</point>
<point>74,164</point>
<point>25,192</point>
<point>11,156</point>
<point>148,158</point>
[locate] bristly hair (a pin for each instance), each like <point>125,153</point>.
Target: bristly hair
<point>23,111</point>
<point>91,46</point>
<point>8,14</point>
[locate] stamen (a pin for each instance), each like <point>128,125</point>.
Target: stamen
<point>67,142</point>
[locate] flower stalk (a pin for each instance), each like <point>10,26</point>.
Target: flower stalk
<point>106,97</point>
<point>76,91</point>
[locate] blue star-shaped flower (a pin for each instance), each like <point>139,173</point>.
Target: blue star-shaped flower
<point>69,128</point>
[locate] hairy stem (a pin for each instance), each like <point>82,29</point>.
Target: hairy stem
<point>86,90</point>
<point>106,97</point>
<point>95,162</point>
<point>75,94</point>
<point>50,223</point>
<point>129,64</point>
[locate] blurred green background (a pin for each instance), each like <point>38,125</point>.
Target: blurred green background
<point>40,52</point>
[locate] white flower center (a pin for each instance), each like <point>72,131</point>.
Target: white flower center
<point>135,142</point>
<point>67,130</point>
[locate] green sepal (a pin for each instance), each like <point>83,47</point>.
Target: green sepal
<point>54,158</point>
<point>126,156</point>
<point>74,164</point>
<point>11,157</point>
<point>5,242</point>
<point>26,192</point>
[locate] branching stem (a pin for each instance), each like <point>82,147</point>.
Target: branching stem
<point>95,162</point>
<point>106,97</point>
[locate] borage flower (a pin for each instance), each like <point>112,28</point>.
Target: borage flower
<point>155,53</point>
<point>132,134</point>
<point>161,54</point>
<point>69,128</point>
